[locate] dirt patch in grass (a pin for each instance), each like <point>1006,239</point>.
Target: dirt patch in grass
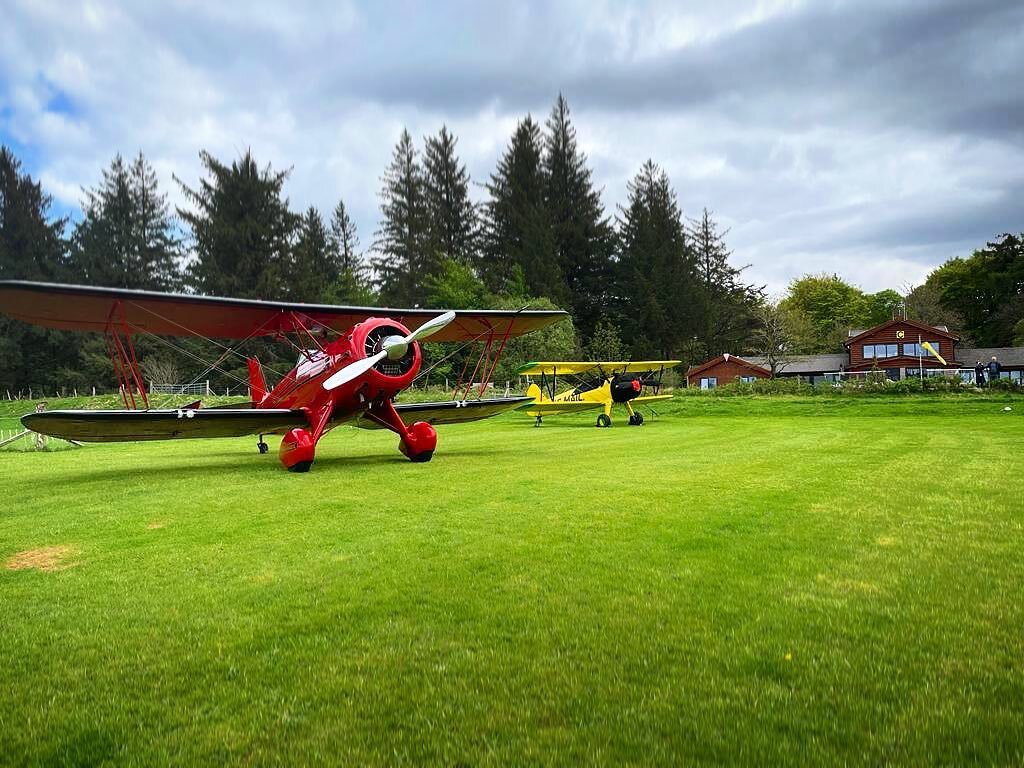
<point>155,525</point>
<point>43,559</point>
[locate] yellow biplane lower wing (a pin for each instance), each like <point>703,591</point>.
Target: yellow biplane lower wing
<point>650,398</point>
<point>549,407</point>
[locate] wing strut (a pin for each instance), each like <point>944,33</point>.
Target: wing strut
<point>122,355</point>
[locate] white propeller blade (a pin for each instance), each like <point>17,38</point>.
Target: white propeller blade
<point>431,327</point>
<point>358,368</point>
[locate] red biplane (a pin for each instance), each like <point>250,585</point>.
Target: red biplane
<point>353,361</point>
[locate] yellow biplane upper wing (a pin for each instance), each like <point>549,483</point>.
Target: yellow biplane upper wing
<point>574,368</point>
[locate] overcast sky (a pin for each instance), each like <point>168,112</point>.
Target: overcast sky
<point>873,138</point>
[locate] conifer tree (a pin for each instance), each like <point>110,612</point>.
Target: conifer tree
<point>241,229</point>
<point>402,262</point>
<point>126,238</point>
<point>345,241</point>
<point>313,269</point>
<point>32,247</point>
<point>657,282</point>
<point>728,305</point>
<point>451,215</point>
<point>352,285</point>
<point>582,237</point>
<point>31,240</point>
<point>518,241</point>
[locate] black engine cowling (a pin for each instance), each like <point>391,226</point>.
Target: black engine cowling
<point>625,388</point>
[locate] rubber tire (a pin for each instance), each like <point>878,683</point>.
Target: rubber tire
<point>262,447</point>
<point>603,420</point>
<point>636,419</point>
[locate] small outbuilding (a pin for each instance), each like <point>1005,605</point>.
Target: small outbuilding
<point>722,370</point>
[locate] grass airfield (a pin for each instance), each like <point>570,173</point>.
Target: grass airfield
<point>754,580</point>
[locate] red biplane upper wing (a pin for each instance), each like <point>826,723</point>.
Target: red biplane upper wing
<point>82,308</point>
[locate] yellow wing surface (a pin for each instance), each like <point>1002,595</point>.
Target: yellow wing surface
<point>569,368</point>
<point>650,398</point>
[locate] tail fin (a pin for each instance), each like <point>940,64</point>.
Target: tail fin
<point>534,391</point>
<point>257,384</point>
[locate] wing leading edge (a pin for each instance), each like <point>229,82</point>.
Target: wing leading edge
<point>85,308</point>
<point>184,423</point>
<point>575,368</point>
<point>452,411</point>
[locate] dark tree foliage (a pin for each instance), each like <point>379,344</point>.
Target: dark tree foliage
<point>344,241</point>
<point>126,238</point>
<point>403,260</point>
<point>451,215</point>
<point>241,229</point>
<point>728,304</point>
<point>312,269</point>
<point>986,289</point>
<point>352,285</point>
<point>583,239</point>
<point>31,248</point>
<point>658,286</point>
<point>517,228</point>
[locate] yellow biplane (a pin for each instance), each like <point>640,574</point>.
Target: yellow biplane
<point>598,385</point>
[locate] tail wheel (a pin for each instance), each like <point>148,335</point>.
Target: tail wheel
<point>604,420</point>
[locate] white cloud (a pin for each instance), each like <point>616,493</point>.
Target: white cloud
<point>821,148</point>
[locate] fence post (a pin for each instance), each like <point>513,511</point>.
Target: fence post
<point>207,387</point>
<point>94,391</point>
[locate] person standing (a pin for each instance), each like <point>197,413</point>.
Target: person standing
<point>993,369</point>
<point>979,374</point>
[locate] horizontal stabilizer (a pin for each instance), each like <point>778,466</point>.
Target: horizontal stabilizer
<point>171,424</point>
<point>451,411</point>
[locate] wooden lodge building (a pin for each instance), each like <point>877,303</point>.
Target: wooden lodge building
<point>895,348</point>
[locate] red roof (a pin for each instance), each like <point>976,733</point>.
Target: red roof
<point>726,358</point>
<point>912,323</point>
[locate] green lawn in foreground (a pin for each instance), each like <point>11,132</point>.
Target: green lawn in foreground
<point>748,580</point>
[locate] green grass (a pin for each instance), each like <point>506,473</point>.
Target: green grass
<point>746,580</point>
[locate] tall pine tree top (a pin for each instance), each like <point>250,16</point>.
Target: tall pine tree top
<point>657,283</point>
<point>582,237</point>
<point>451,215</point>
<point>401,244</point>
<point>241,228</point>
<point>126,238</point>
<point>518,238</point>
<point>728,303</point>
<point>345,241</point>
<point>31,242</point>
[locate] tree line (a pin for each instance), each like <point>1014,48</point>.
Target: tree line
<point>641,280</point>
<point>980,298</point>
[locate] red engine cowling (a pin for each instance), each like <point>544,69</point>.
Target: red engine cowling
<point>388,377</point>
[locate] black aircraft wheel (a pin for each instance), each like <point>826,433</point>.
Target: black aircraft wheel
<point>636,419</point>
<point>263,447</point>
<point>603,420</point>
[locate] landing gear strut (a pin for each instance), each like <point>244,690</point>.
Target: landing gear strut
<point>537,421</point>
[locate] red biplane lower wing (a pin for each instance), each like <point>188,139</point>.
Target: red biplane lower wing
<point>125,426</point>
<point>451,411</point>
